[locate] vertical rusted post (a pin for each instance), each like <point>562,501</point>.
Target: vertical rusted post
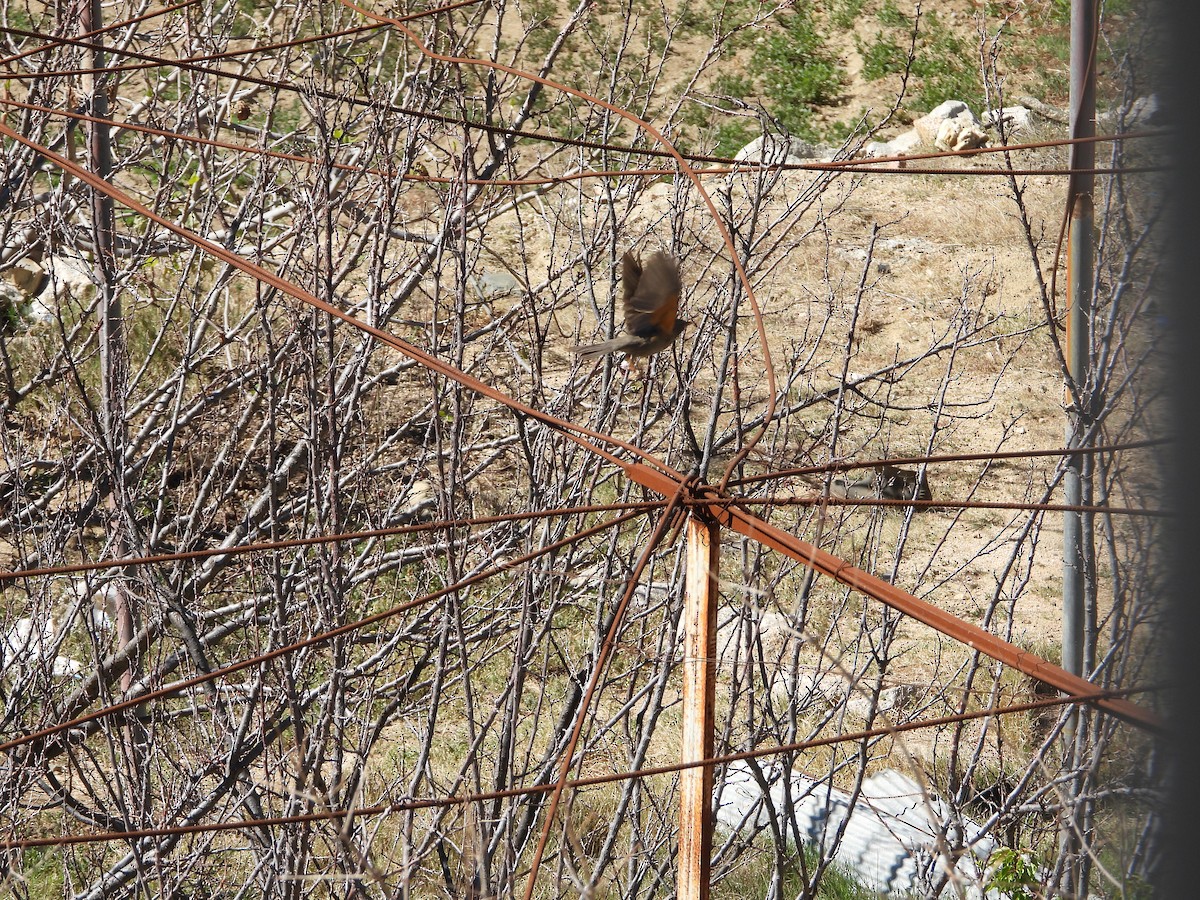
<point>699,707</point>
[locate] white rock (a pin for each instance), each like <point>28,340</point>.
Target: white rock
<point>495,284</point>
<point>420,504</point>
<point>1144,111</point>
<point>927,126</point>
<point>874,148</point>
<point>777,150</point>
<point>829,687</point>
<point>893,698</point>
<point>103,611</point>
<point>960,134</point>
<point>904,144</point>
<point>29,277</point>
<point>1014,118</point>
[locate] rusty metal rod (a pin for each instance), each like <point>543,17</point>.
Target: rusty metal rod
<point>745,523</point>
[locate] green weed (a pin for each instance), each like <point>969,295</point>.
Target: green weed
<point>753,879</point>
<point>1013,875</point>
<point>883,57</point>
<point>889,14</point>
<point>943,64</point>
<point>732,136</point>
<point>844,13</point>
<point>43,872</point>
<point>795,71</point>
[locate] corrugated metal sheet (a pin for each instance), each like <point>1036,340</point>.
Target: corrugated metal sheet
<point>892,835</point>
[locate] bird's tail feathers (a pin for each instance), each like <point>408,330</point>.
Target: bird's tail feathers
<point>588,351</point>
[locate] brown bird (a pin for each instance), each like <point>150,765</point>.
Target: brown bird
<point>650,302</point>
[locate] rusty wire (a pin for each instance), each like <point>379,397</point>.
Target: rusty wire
<point>641,506</point>
<point>872,165</point>
<point>843,465</point>
<point>829,500</point>
<point>689,173</point>
<point>568,429</point>
<point>313,640</point>
<point>155,62</point>
<point>55,41</point>
<point>866,165</point>
<point>665,522</point>
<point>733,167</point>
<point>732,515</point>
<point>290,543</point>
<point>682,494</point>
<point>585,781</point>
<point>839,165</point>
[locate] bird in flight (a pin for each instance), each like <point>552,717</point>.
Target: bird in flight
<point>650,302</point>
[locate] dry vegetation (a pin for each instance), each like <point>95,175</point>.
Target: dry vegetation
<point>905,315</point>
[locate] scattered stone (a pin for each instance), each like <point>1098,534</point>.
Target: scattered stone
<point>887,482</point>
<point>960,133</point>
<point>420,504</point>
<point>802,689</point>
<point>20,288</point>
<point>29,277</point>
<point>776,149</point>
<point>100,613</point>
<point>904,484</point>
<point>1046,111</point>
<point>896,698</point>
<point>863,489</point>
<point>591,579</point>
<point>872,149</point>
<point>28,645</point>
<point>37,285</point>
<point>1013,118</point>
<point>493,285</point>
<point>904,145</point>
<point>907,246</point>
<point>1144,111</point>
<point>927,126</point>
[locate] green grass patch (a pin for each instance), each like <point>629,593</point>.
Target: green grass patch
<point>42,873</point>
<point>889,14</point>
<point>944,65</point>
<point>882,57</point>
<point>753,879</point>
<point>844,13</point>
<point>795,71</point>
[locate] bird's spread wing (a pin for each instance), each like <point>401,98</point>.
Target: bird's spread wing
<point>651,294</point>
<point>631,274</point>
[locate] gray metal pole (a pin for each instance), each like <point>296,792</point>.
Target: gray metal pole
<point>1080,253</point>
